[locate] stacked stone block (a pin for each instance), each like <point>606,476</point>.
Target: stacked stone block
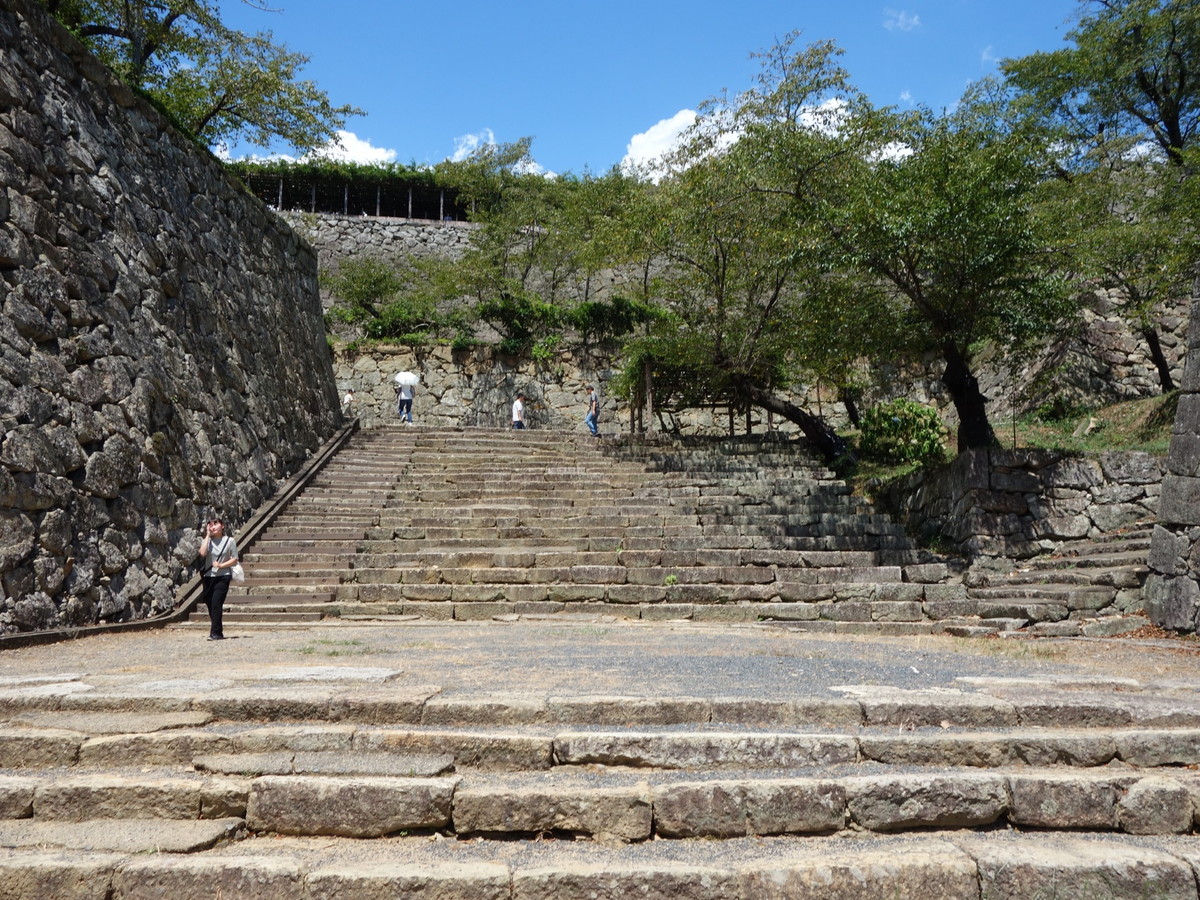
<point>162,351</point>
<point>1172,591</point>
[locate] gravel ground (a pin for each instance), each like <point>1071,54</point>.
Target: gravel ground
<point>604,658</point>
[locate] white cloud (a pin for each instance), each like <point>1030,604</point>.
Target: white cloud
<point>467,144</point>
<point>906,97</point>
<point>899,20</point>
<point>349,147</point>
<point>646,150</point>
<point>988,56</point>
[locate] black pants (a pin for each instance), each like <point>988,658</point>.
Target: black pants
<point>213,596</point>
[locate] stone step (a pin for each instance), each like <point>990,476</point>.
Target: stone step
<point>527,748</point>
<point>625,807</point>
<point>52,860</point>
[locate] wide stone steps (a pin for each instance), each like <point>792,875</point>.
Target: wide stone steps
<point>338,781</point>
<point>620,806</point>
<point>949,867</point>
<point>310,759</point>
<point>747,532</point>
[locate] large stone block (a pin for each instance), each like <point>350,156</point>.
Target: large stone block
<point>1063,801</point>
<point>590,881</point>
<point>1155,805</point>
<point>896,802</point>
<point>916,871</point>
<point>1078,870</point>
<point>620,813</point>
<point>349,807</point>
<point>249,878</point>
<point>734,808</point>
<point>62,875</point>
<point>388,880</point>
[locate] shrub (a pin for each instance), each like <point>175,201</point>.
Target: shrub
<point>902,431</point>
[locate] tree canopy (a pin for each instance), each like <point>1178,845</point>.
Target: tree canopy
<point>1133,69</point>
<point>219,84</point>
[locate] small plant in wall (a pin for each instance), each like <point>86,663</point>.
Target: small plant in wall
<point>671,579</point>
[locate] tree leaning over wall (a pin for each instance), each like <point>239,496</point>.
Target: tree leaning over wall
<point>218,84</point>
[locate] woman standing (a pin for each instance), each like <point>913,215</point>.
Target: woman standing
<point>220,554</point>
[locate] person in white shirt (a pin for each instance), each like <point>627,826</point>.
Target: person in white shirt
<point>404,398</point>
<point>348,403</point>
<point>518,412</point>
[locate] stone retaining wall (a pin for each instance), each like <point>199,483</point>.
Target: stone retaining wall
<point>1021,503</point>
<point>477,388</point>
<point>162,351</point>
<point>1172,591</point>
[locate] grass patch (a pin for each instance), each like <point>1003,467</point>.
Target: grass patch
<point>323,647</point>
<point>1135,425</point>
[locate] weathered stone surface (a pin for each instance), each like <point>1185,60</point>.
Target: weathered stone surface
<point>894,802</point>
<point>58,876</point>
<point>120,835</point>
<point>734,808</point>
<point>917,871</point>
<point>1175,747</point>
<point>976,750</point>
<point>81,797</point>
<point>481,750</point>
<point>1063,801</point>
<point>678,751</point>
<point>159,748</point>
<point>16,796</point>
<point>384,881</point>
<point>892,706</point>
<point>1155,805</point>
<point>251,878</point>
<point>350,807</point>
<point>621,813</point>
<point>484,711</point>
<point>1078,870</point>
<point>584,881</point>
<point>629,710</point>
<point>39,748</point>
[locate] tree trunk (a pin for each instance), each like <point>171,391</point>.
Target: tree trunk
<point>974,429</point>
<point>1165,381</point>
<point>823,438</point>
<point>851,403</point>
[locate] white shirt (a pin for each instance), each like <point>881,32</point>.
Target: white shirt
<point>518,411</point>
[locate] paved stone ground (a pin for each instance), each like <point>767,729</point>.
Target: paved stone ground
<point>53,855</point>
<point>602,657</point>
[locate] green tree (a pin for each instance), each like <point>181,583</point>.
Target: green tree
<point>1133,69</point>
<point>542,240</point>
<point>1129,81</point>
<point>737,262</point>
<point>219,84</point>
<point>1129,217</point>
<point>384,300</point>
<point>949,224</point>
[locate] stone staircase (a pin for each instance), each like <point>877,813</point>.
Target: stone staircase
<point>446,523</point>
<point>247,777</point>
<point>350,782</point>
<point>1084,587</point>
<point>473,524</point>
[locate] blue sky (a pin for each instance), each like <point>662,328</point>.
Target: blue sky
<point>590,81</point>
